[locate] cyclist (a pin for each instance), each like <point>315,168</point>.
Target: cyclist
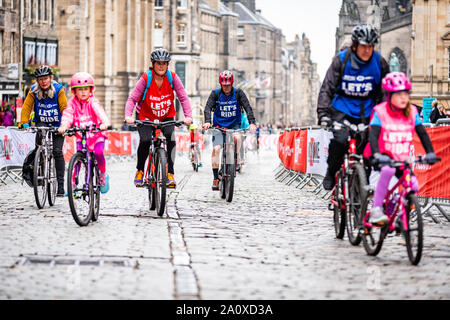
<point>82,111</point>
<point>350,90</point>
<point>153,97</point>
<point>226,104</point>
<point>391,133</point>
<point>258,132</point>
<point>47,100</point>
<point>195,142</point>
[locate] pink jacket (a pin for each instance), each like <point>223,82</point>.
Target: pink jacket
<point>397,132</point>
<point>138,91</point>
<point>84,113</point>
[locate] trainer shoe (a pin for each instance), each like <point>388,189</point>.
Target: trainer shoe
<point>139,178</point>
<point>377,215</point>
<point>104,183</point>
<point>215,185</point>
<point>171,181</point>
<point>328,182</point>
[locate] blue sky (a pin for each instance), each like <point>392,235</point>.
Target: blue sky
<point>318,19</point>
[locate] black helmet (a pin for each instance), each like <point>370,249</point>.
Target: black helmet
<point>160,55</point>
<point>43,71</point>
<point>365,34</point>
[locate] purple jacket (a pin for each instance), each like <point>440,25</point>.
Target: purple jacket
<point>135,97</point>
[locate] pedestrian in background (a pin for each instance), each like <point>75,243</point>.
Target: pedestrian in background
<point>441,110</point>
<point>8,117</point>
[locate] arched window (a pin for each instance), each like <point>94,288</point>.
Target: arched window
<point>403,63</point>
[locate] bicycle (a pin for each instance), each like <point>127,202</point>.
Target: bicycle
<point>45,181</point>
<point>155,178</point>
<point>227,171</point>
<point>194,155</point>
<point>349,192</point>
<point>403,204</point>
<point>83,180</point>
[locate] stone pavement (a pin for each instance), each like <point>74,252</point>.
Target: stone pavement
<point>271,242</point>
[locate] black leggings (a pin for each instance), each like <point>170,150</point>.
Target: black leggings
<point>145,135</point>
<point>339,143</point>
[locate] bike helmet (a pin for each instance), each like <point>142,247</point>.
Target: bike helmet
<point>160,54</point>
<point>43,71</point>
<point>365,34</point>
<point>81,79</point>
<point>226,78</point>
<point>396,81</point>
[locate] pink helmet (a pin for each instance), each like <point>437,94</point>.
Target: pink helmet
<point>396,81</point>
<point>81,79</point>
<point>226,78</point>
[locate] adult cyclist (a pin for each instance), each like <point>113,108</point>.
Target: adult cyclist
<point>47,100</point>
<point>350,90</point>
<point>226,104</point>
<point>153,96</point>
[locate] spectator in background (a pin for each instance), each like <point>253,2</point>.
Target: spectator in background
<point>8,117</point>
<point>440,110</point>
<point>2,115</point>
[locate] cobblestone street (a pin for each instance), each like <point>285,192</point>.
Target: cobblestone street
<point>271,242</point>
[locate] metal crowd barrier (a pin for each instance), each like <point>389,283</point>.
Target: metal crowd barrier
<point>13,173</point>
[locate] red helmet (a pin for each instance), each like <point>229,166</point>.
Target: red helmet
<point>226,78</point>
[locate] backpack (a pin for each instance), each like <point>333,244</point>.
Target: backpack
<point>149,81</point>
<point>28,168</point>
<point>244,120</point>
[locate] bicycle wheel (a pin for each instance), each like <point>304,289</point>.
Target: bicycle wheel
<point>52,181</point>
<point>151,189</point>
<point>357,195</point>
<point>96,192</point>
<point>229,186</point>
<point>414,234</point>
<point>372,237</point>
<point>80,191</point>
<point>161,181</point>
<point>338,212</point>
<point>39,179</point>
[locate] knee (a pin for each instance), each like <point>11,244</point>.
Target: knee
<point>414,183</point>
<point>387,171</point>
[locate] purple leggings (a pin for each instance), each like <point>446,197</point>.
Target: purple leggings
<point>386,175</point>
<point>99,156</point>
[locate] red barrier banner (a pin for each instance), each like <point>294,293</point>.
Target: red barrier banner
<point>289,149</point>
<point>69,147</point>
<point>118,143</point>
<point>300,151</point>
<point>434,181</point>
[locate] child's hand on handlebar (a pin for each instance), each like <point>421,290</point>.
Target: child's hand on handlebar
<point>129,120</point>
<point>103,126</point>
<point>62,129</point>
<point>187,121</point>
<point>206,125</point>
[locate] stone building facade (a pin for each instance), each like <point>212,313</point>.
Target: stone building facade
<point>108,40</point>
<point>430,70</point>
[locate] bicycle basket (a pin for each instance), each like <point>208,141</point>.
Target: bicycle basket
<point>27,168</point>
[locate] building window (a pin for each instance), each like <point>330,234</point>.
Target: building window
<point>181,33</point>
<point>158,35</point>
<point>37,5</point>
<point>86,55</point>
<point>240,31</point>
<point>159,3</point>
<point>40,52</point>
<point>86,8</point>
<point>30,48</point>
<point>13,39</point>
<point>110,55</point>
<point>1,46</point>
<point>52,5</point>
<point>51,54</point>
<point>182,4</point>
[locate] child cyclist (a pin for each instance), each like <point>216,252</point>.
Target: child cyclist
<point>391,132</point>
<point>195,142</point>
<point>82,111</point>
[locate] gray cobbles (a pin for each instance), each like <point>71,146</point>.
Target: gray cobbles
<point>271,242</point>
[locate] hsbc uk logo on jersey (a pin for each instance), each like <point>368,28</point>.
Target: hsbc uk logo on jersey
<point>357,86</point>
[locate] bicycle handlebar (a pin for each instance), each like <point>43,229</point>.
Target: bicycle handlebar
<point>139,123</point>
<point>360,128</point>
<point>224,130</point>
<point>73,130</point>
<point>399,164</point>
<point>51,129</point>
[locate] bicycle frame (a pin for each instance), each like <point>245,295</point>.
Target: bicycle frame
<point>405,182</point>
<point>158,140</point>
